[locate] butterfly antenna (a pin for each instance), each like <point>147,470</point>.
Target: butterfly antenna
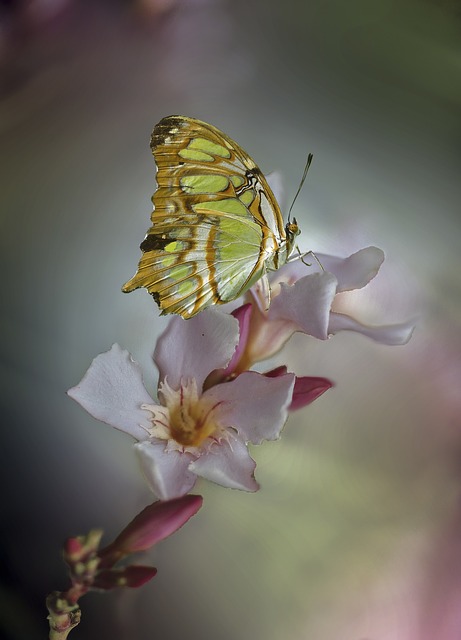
<point>306,169</point>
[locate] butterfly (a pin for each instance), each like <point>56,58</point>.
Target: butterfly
<point>216,225</point>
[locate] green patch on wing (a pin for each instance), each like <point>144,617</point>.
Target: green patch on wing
<point>229,205</point>
<point>202,144</point>
<point>196,155</point>
<point>186,287</point>
<point>237,253</point>
<point>181,271</point>
<point>237,181</point>
<point>168,261</point>
<point>247,197</point>
<point>175,246</point>
<point>204,184</point>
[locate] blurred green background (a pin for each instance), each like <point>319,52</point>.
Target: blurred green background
<point>356,532</point>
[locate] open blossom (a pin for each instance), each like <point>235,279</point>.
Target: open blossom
<point>302,298</point>
<point>197,428</point>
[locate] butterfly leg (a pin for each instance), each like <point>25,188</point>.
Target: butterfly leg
<point>301,256</point>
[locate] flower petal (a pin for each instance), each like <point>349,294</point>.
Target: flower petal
<point>307,389</point>
<point>112,391</point>
<point>227,464</point>
<point>253,404</point>
<point>192,348</point>
<point>357,270</point>
<point>166,473</point>
<point>265,338</point>
<point>306,303</point>
<point>391,334</point>
<point>292,271</point>
<point>243,315</point>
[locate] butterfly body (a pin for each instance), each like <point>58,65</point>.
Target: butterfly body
<point>216,225</point>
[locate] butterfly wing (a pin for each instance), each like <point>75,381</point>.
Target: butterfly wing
<point>215,223</point>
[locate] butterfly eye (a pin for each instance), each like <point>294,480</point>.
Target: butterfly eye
<point>292,229</point>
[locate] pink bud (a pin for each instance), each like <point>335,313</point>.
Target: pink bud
<point>307,389</point>
<point>132,576</point>
<point>81,548</point>
<point>73,548</point>
<point>278,371</point>
<point>156,522</point>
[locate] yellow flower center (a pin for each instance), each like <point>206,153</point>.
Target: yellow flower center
<point>191,418</point>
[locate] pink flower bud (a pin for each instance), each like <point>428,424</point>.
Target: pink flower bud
<point>132,576</point>
<point>73,549</point>
<point>307,389</point>
<point>81,548</point>
<point>156,522</point>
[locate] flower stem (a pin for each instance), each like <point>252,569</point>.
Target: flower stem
<point>63,615</point>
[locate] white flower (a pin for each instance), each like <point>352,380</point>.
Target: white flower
<point>194,430</point>
<point>302,299</point>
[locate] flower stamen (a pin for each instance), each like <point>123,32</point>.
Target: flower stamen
<point>191,419</point>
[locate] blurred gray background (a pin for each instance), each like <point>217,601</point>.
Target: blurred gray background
<point>356,532</point>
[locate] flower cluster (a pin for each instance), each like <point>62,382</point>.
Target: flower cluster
<point>210,403</point>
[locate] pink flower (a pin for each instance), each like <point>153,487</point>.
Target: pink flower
<point>195,429</point>
<point>302,299</point>
<point>306,388</point>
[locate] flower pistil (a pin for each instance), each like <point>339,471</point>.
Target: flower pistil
<point>186,417</point>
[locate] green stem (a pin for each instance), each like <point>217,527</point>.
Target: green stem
<point>63,615</point>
